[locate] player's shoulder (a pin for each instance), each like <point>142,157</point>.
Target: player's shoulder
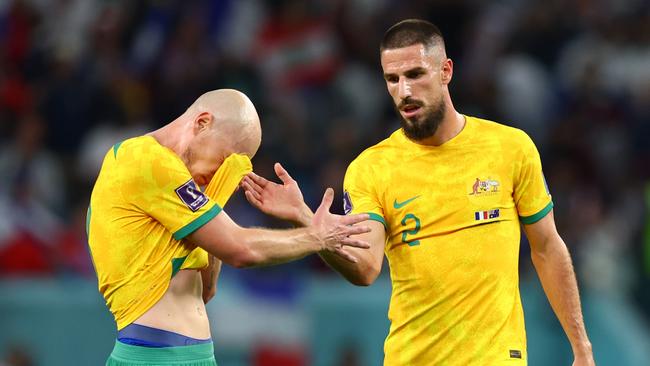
<point>139,147</point>
<point>133,156</point>
<point>508,135</point>
<point>143,152</point>
<point>381,151</point>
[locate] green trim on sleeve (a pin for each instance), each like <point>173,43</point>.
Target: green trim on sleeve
<point>198,222</point>
<point>527,220</point>
<point>88,213</point>
<point>377,217</point>
<point>116,147</point>
<point>176,264</point>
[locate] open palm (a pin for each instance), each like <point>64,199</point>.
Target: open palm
<point>284,201</point>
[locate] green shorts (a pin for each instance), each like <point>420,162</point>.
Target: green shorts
<point>128,355</point>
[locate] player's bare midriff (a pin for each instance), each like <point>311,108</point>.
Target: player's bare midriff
<point>181,309</point>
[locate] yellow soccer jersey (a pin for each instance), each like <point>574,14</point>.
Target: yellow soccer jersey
<point>143,205</point>
<point>452,215</point>
<point>221,186</point>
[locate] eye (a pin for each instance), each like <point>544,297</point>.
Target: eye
<point>391,78</point>
<point>414,74</point>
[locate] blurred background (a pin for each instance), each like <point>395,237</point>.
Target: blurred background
<point>77,76</point>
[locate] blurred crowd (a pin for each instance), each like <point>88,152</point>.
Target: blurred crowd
<point>77,76</point>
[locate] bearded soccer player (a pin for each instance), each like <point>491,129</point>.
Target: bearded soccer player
<point>157,240</point>
<point>446,194</point>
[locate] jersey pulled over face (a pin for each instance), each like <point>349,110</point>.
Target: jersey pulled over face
<point>144,203</point>
<point>452,215</point>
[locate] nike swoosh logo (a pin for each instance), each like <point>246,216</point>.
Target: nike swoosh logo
<point>399,205</point>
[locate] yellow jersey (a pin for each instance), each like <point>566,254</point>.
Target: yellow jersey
<point>144,203</point>
<point>452,215</point>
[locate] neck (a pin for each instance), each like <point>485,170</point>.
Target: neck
<point>172,136</point>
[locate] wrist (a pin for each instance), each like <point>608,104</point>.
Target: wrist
<point>582,349</point>
<point>313,236</point>
<point>303,216</point>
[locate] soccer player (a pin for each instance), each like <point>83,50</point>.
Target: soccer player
<point>157,241</point>
<point>446,194</point>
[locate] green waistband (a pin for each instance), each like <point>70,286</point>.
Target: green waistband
<point>164,355</point>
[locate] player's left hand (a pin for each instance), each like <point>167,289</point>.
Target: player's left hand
<point>209,277</point>
<point>284,201</point>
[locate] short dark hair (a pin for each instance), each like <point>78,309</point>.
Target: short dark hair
<point>412,31</point>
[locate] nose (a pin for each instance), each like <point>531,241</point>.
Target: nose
<point>403,89</point>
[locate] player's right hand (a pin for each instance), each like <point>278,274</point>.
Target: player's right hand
<point>335,232</point>
<point>283,201</point>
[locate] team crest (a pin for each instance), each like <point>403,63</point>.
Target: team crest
<point>191,195</point>
<point>485,187</point>
<point>347,203</point>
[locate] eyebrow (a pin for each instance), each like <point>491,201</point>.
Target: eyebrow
<point>418,69</point>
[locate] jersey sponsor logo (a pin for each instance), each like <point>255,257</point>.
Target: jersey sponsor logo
<point>191,196</point>
<point>485,187</point>
<point>398,205</point>
<point>347,203</point>
<point>486,215</point>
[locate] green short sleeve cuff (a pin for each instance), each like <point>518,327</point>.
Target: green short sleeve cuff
<point>528,220</point>
<point>198,222</point>
<point>377,217</point>
<point>116,147</point>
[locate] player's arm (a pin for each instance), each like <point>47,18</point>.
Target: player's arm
<point>368,266</point>
<point>285,201</point>
<point>209,278</point>
<point>552,262</point>
<point>248,247</point>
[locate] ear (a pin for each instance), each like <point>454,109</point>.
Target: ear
<point>447,71</point>
<point>203,122</point>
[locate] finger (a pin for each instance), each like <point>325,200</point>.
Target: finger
<point>357,229</point>
<point>249,187</point>
<point>282,174</point>
<point>252,200</point>
<point>345,255</point>
<point>251,181</point>
<point>354,219</point>
<point>355,243</point>
<point>326,203</point>
<point>247,182</point>
<point>259,180</point>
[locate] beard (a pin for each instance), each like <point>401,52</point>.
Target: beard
<point>425,125</point>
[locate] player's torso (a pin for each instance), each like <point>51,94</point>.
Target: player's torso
<point>132,252</point>
<point>171,311</point>
<point>453,245</point>
<point>120,230</point>
<point>433,198</point>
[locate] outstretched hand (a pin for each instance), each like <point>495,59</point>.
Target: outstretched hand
<point>334,231</point>
<point>284,201</point>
